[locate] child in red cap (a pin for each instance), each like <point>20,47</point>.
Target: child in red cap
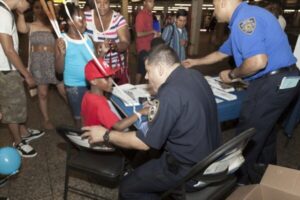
<point>95,109</point>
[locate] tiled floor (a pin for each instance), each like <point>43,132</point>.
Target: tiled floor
<point>42,177</point>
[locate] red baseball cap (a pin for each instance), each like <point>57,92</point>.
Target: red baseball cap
<point>92,71</point>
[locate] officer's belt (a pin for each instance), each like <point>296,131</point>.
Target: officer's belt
<point>280,70</point>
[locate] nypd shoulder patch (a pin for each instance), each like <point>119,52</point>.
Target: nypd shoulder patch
<point>248,25</point>
<point>153,110</point>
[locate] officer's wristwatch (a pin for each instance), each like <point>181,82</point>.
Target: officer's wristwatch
<point>106,136</point>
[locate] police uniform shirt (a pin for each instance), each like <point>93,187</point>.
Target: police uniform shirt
<point>255,30</point>
<point>183,119</point>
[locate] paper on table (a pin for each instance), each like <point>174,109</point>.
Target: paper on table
<point>132,93</point>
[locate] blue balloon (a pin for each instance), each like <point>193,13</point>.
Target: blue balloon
<point>10,161</point>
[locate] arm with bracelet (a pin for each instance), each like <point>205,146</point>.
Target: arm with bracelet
<point>125,123</point>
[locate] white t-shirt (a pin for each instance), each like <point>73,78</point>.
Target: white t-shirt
<point>297,51</point>
<point>8,26</point>
<point>282,22</point>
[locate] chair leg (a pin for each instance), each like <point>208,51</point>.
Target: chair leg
<point>66,184</point>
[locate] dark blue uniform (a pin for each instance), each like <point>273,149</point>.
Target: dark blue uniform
<point>184,123</point>
<point>256,31</point>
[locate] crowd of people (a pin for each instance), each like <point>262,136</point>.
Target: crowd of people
<point>182,117</point>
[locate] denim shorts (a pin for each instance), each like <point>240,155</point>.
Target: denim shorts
<point>75,95</point>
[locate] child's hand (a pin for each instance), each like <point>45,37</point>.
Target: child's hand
<point>60,44</point>
<point>113,45</point>
<point>144,111</point>
<point>102,48</point>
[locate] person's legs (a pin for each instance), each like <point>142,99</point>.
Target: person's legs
<point>75,95</point>
<point>43,104</point>
<point>149,180</point>
<point>62,91</point>
<point>141,71</point>
<point>261,109</point>
<point>15,132</point>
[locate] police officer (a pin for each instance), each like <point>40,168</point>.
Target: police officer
<point>182,121</point>
<point>263,56</point>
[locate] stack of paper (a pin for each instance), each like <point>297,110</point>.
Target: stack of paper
<point>130,94</point>
<point>215,82</point>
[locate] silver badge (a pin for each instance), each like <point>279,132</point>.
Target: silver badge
<point>153,110</point>
<point>248,26</point>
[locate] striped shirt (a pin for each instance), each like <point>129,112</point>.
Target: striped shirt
<point>114,59</point>
<point>172,35</point>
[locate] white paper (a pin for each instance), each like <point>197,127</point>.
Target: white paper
<point>289,82</point>
<point>130,94</point>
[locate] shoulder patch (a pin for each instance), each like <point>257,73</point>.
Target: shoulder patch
<point>248,25</point>
<point>153,110</point>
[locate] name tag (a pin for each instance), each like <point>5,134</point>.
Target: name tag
<point>289,82</point>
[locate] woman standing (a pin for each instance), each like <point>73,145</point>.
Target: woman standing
<point>112,30</point>
<point>41,57</point>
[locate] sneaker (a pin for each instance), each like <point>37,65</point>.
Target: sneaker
<point>25,150</point>
<point>33,134</point>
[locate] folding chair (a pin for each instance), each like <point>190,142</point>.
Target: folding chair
<point>104,167</point>
<point>214,175</point>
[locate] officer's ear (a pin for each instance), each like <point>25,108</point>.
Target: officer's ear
<point>161,68</point>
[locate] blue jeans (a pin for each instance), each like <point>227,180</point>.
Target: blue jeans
<point>75,95</point>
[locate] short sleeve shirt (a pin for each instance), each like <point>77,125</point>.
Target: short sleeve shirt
<point>8,26</point>
<point>95,110</point>
<point>114,59</point>
<point>255,31</point>
<point>185,121</point>
<point>144,23</point>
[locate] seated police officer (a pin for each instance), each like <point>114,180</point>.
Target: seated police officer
<point>182,121</point>
<point>263,56</point>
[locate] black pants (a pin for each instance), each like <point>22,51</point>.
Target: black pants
<point>261,109</point>
<point>151,179</point>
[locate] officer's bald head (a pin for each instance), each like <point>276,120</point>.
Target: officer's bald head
<point>162,55</point>
<point>224,9</point>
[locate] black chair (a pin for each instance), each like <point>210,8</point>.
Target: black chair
<point>104,167</point>
<point>214,175</point>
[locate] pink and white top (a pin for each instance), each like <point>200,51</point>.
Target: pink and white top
<point>114,59</point>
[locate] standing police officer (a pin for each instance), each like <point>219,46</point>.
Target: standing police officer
<point>264,57</point>
<point>182,121</point>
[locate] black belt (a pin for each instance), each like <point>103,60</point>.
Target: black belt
<point>280,70</point>
<point>6,72</point>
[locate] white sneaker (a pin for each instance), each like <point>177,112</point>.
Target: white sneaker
<point>33,134</point>
<point>25,150</point>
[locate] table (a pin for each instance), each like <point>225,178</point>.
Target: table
<point>227,110</point>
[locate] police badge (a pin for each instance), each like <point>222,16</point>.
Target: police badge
<point>248,26</point>
<point>153,110</point>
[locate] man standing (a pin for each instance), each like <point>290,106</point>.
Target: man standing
<point>12,94</point>
<point>264,57</point>
<point>176,35</point>
<point>183,123</point>
<point>144,34</point>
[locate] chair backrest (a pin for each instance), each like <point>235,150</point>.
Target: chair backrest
<point>218,165</point>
